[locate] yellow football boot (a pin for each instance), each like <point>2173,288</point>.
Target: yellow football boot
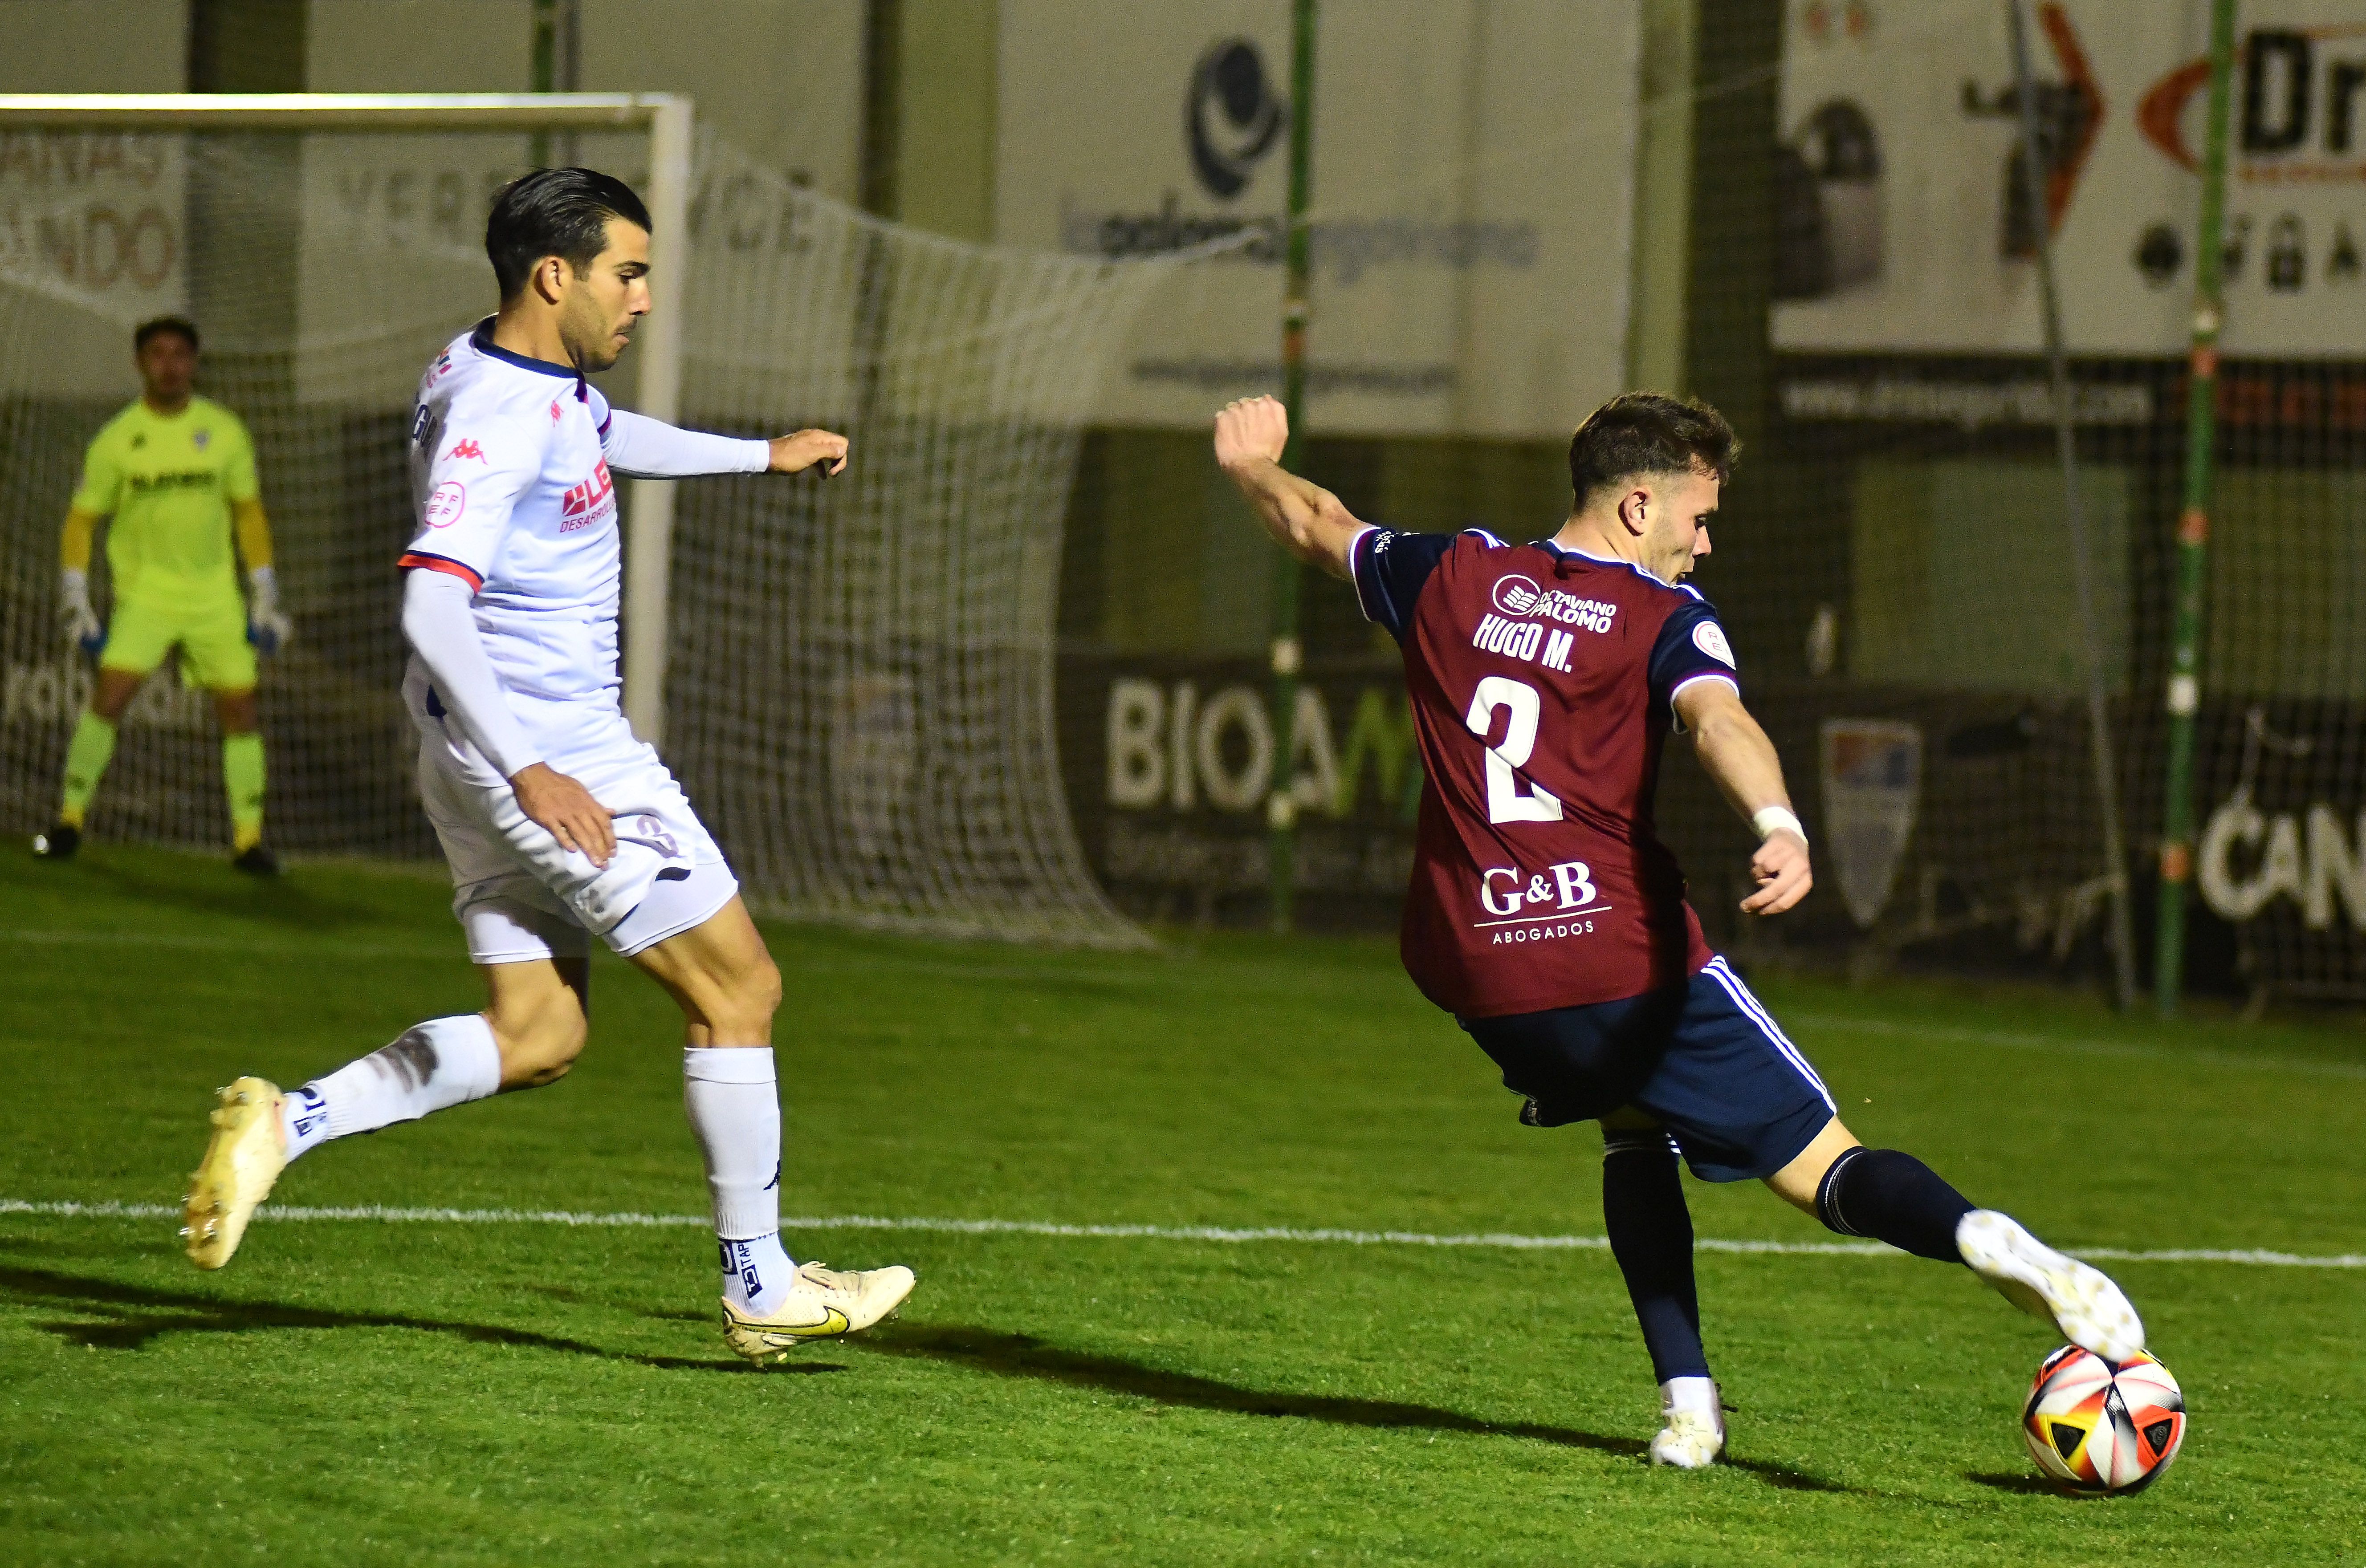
<point>248,1152</point>
<point>824,1304</point>
<point>2078,1298</point>
<point>1692,1439</point>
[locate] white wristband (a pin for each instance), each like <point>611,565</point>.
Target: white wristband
<point>1772,819</point>
<point>74,584</point>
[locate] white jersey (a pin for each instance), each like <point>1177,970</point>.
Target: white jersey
<point>514,498</point>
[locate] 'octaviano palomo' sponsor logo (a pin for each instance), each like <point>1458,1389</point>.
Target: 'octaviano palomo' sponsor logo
<point>1519,597</point>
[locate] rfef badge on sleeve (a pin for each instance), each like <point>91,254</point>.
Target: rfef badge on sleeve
<point>1873,779</point>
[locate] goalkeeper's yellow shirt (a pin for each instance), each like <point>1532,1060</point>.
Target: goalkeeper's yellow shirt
<point>167,482</point>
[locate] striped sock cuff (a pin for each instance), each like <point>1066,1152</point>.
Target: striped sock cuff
<point>1828,1193</point>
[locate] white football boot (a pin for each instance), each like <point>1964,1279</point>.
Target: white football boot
<point>248,1151</point>
<point>824,1304</point>
<point>2077,1298</point>
<point>1692,1439</point>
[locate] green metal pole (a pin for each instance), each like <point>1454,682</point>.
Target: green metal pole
<point>546,70</point>
<point>1282,806</point>
<point>2194,528</point>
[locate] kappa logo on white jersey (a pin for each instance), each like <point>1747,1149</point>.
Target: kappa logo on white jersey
<point>592,501</point>
<point>1520,597</point>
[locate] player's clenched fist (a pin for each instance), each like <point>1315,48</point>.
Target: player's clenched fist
<point>1782,873</point>
<point>565,809</point>
<point>1251,428</point>
<point>796,454</point>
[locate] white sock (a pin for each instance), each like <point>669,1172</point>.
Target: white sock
<point>1697,1394</point>
<point>441,1063</point>
<point>734,1103</point>
<point>757,1275</point>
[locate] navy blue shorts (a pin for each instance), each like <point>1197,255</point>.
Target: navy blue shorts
<point>1708,1062</point>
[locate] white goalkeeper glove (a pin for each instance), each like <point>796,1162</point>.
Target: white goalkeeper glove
<point>267,627</point>
<point>83,628</point>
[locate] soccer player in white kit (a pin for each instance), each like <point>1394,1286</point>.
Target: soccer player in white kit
<point>558,823</point>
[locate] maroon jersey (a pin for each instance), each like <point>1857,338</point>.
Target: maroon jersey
<point>1543,685</point>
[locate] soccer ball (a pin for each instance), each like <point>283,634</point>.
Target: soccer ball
<point>2102,1427</point>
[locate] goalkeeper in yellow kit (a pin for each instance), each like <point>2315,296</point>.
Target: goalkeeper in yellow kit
<point>172,475</point>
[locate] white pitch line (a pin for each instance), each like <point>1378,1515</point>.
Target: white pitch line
<point>1500,1240</point>
<point>2199,1055</point>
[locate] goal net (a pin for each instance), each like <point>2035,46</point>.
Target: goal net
<point>856,676</point>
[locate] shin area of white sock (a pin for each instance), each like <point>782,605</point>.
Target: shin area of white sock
<point>733,1099</point>
<point>430,1067</point>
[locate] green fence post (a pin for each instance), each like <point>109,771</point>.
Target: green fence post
<point>2194,528</point>
<point>1282,806</point>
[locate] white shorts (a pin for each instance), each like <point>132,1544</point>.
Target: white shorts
<point>520,896</point>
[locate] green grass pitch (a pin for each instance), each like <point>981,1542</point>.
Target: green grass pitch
<point>359,1391</point>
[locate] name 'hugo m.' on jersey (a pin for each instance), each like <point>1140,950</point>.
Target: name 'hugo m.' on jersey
<point>1542,684</point>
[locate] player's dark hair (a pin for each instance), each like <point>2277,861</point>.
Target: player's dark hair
<point>1647,432</point>
<point>555,212</point>
<point>161,325</point>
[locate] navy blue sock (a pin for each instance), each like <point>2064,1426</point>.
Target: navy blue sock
<point>1892,1197</point>
<point>1652,1237</point>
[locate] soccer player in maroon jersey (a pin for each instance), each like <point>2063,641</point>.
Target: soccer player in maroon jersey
<point>1547,916</point>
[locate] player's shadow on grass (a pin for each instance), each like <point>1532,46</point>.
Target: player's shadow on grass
<point>227,895</point>
<point>592,1298</point>
<point>130,1316</point>
<point>2035,1485</point>
<point>1019,1355</point>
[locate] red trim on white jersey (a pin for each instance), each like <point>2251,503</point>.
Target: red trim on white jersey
<point>420,561</point>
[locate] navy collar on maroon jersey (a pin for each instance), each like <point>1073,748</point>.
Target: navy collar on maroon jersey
<point>481,339</point>
<point>1562,553</point>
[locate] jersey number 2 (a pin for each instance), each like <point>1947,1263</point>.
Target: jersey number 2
<point>1506,801</point>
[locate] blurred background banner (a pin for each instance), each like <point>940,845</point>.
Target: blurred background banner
<point>1169,761</point>
<point>99,219</point>
<point>1900,215</point>
<point>782,81</point>
<point>1473,178</point>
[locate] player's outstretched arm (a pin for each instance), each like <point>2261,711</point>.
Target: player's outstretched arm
<point>1740,757</point>
<point>1306,518</point>
<point>642,448</point>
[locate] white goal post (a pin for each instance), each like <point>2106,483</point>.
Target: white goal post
<point>667,118</point>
